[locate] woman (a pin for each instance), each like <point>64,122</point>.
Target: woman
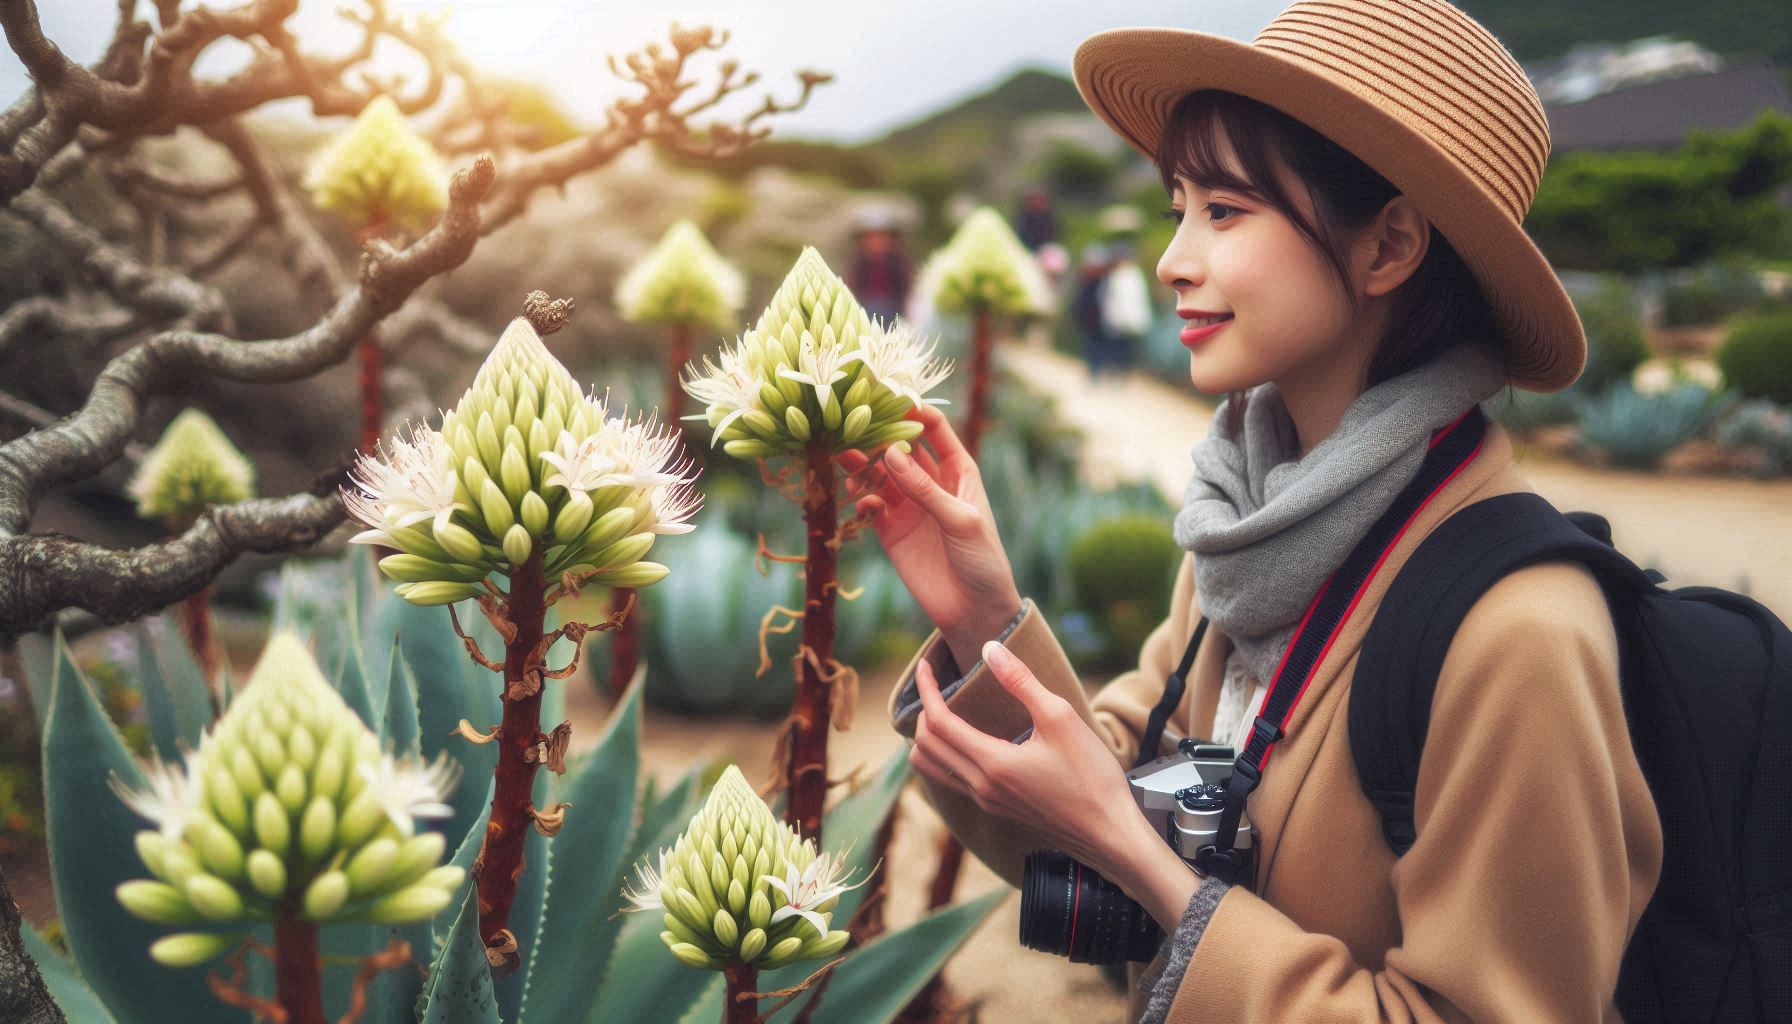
<point>1368,287</point>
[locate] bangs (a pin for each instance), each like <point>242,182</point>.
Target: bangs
<point>1193,144</point>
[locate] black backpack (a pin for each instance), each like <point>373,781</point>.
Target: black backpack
<point>1707,689</point>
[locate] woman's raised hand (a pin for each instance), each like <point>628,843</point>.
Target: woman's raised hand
<point>933,519</point>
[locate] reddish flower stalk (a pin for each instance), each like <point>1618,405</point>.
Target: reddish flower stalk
<point>982,351</point>
<point>742,980</point>
<point>625,648</point>
<point>195,617</point>
<point>500,861</point>
<point>371,361</point>
<point>810,716</point>
<point>298,972</point>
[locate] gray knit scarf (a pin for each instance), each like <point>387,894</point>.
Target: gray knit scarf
<point>1267,528</point>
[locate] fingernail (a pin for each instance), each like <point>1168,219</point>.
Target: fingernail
<point>997,655</point>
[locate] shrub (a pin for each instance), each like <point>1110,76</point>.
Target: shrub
<point>1122,572</point>
<point>1522,411</point>
<point>1756,357</point>
<point>1615,339</point>
<point>1636,430</point>
<point>1763,426</point>
<point>1710,294</point>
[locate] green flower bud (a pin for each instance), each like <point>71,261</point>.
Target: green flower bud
<point>317,828</point>
<point>752,944</point>
<point>517,545</point>
<point>272,826</point>
<point>290,789</point>
<point>416,903</point>
<point>325,895</point>
<point>371,866</point>
<point>640,574</point>
<point>436,593</point>
<point>267,873</point>
<point>689,954</point>
<point>574,516</point>
<point>150,847</point>
<point>226,800</point>
<point>724,928</point>
<point>158,902</point>
<point>533,514</point>
<point>192,467</point>
<point>190,949</point>
<point>213,897</point>
<point>218,850</point>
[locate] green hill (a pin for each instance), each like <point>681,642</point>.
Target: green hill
<point>1537,29</point>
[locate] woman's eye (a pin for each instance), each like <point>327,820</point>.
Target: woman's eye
<point>1211,207</point>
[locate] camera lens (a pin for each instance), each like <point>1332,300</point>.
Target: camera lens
<point>1068,910</point>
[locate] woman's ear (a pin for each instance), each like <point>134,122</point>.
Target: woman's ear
<point>1392,246</point>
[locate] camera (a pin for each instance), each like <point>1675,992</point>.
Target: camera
<point>1067,909</point>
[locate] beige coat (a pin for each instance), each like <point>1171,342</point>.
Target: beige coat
<point>1538,843</point>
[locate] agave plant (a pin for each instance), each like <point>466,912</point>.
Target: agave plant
<point>682,285</point>
<point>191,468</point>
<point>982,273</point>
<point>814,377</point>
<point>381,178</point>
<point>531,481</point>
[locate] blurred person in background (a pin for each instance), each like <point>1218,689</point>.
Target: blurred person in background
<point>1037,226</point>
<point>881,274</point>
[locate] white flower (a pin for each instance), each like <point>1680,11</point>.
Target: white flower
<point>174,795</point>
<point>584,465</point>
<point>812,887</point>
<point>646,454</point>
<point>733,385</point>
<point>401,485</point>
<point>647,897</point>
<point>410,790</point>
<point>903,362</point>
<point>820,366</point>
<point>673,506</point>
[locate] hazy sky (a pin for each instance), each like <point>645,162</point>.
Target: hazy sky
<point>892,61</point>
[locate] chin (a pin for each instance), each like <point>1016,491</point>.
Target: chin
<point>1217,380</point>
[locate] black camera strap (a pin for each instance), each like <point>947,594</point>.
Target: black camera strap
<point>1451,448</point>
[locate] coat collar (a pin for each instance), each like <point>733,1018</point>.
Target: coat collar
<point>1491,472</point>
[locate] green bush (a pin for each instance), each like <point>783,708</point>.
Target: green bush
<point>1764,427</point>
<point>1122,571</point>
<point>1635,430</point>
<point>1522,411</point>
<point>1713,293</point>
<point>1756,357</point>
<point>1616,343</point>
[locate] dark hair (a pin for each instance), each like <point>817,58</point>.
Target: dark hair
<point>1438,307</point>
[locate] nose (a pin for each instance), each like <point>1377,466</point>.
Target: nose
<point>1179,267</point>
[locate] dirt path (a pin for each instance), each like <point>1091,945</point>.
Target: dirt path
<point>1707,531</point>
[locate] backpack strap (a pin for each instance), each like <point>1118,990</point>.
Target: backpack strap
<point>1403,652</point>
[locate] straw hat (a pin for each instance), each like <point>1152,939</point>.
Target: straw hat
<point>1416,89</point>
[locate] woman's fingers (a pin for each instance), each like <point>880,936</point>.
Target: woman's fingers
<point>915,484</point>
<point>937,431</point>
<point>928,735</point>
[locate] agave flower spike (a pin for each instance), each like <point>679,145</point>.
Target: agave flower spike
<point>280,817</point>
<point>529,479</point>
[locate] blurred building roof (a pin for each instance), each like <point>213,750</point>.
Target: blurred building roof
<point>1659,114</point>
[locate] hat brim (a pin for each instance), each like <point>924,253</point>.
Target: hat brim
<point>1132,78</point>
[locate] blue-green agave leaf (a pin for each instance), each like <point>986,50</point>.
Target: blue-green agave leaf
<point>879,979</point>
<point>77,1000</point>
<point>450,687</point>
<point>401,705</point>
<point>585,867</point>
<point>459,990</point>
<point>91,851</point>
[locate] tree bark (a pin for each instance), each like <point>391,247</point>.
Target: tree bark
<point>23,996</point>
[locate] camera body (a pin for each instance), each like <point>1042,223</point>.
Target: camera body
<point>1183,796</point>
<point>1067,908</point>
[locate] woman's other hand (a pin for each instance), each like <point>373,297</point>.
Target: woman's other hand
<point>1062,782</point>
<point>933,519</point>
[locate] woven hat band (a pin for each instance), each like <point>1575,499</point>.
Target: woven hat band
<point>1439,72</point>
